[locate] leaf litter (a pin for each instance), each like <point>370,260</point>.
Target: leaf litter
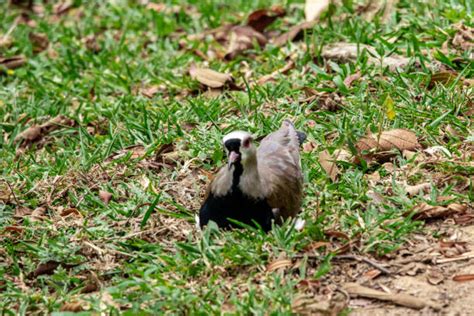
<point>36,133</point>
<point>10,63</point>
<point>139,153</point>
<point>314,8</point>
<point>343,52</point>
<point>237,39</point>
<point>379,146</point>
<point>210,78</point>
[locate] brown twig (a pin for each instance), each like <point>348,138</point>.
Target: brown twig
<point>464,256</point>
<point>13,193</point>
<point>372,263</point>
<point>365,260</point>
<point>396,298</point>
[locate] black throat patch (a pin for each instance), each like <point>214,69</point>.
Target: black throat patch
<point>238,170</point>
<point>233,144</point>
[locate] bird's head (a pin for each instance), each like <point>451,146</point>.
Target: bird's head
<point>240,148</point>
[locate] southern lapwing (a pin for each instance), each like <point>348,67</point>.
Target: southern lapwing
<point>257,185</point>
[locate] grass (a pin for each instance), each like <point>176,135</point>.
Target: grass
<point>141,250</point>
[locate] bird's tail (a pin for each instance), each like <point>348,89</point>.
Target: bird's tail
<point>301,135</point>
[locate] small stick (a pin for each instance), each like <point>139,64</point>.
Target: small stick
<point>10,30</point>
<point>352,257</point>
<point>464,256</point>
<point>366,260</point>
<point>400,299</point>
<point>13,193</point>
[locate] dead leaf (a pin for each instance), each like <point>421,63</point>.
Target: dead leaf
<point>15,229</point>
<point>443,77</point>
<point>308,146</point>
<point>294,33</point>
<point>212,93</point>
<point>451,243</point>
<point>260,19</point>
<point>465,219</point>
<point>464,37</point>
<point>27,5</point>
<point>37,132</point>
<point>316,245</point>
<point>372,274</point>
<point>376,197</point>
<point>107,300</point>
<point>309,283</point>
<point>39,41</point>
<point>11,62</point>
<point>242,38</point>
<point>239,38</point>
<point>189,10</point>
<point>5,41</point>
<point>38,213</point>
<point>326,101</point>
<point>75,307</point>
<point>328,163</point>
<point>135,151</point>
<point>150,91</point>
<point>351,78</point>
<point>105,196</point>
<point>379,146</point>
<point>279,264</point>
<point>374,8</point>
<point>342,155</point>
<point>413,190</point>
<point>408,154</point>
<point>22,211</point>
<point>349,52</point>
<point>30,134</point>
<point>435,277</point>
<point>209,77</point>
<point>401,299</point>
<point>62,7</point>
<point>412,269</point>
<point>70,211</point>
<point>336,234</point>
<point>93,283</point>
<point>164,149</point>
<point>463,277</point>
<point>314,8</point>
<point>305,304</point>
<point>92,44</point>
<point>282,71</point>
<point>425,211</point>
<point>188,126</point>
<point>157,7</point>
<point>436,150</point>
<point>338,303</point>
<point>46,268</point>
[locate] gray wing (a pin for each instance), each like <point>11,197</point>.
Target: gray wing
<point>280,169</point>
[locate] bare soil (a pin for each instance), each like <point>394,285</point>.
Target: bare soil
<point>423,275</point>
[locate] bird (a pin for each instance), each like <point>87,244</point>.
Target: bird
<point>258,185</point>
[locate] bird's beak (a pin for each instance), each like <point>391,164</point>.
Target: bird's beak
<point>233,157</point>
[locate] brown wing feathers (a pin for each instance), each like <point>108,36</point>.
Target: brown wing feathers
<point>280,170</point>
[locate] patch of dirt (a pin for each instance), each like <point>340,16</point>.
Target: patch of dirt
<point>429,281</point>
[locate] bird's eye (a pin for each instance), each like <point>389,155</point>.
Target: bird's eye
<point>246,142</point>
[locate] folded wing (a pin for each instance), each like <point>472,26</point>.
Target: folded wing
<point>280,169</point>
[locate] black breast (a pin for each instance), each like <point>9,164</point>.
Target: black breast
<point>237,206</point>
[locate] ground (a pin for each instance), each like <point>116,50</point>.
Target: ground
<point>112,115</point>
